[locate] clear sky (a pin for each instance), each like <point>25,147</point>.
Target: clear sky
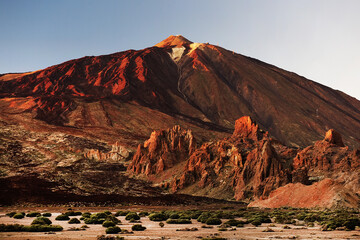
<point>318,39</point>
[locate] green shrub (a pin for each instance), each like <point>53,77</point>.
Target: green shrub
<point>256,222</point>
<point>47,214</point>
<point>74,221</point>
<point>178,221</point>
<point>107,212</point>
<point>86,215</point>
<point>72,213</point>
<point>10,214</point>
<point>121,213</point>
<point>11,228</point>
<point>31,228</point>
<point>143,214</point>
<point>94,220</point>
<point>157,217</point>
<point>138,227</point>
<point>204,217</point>
<point>100,215</point>
<point>113,230</point>
<point>18,216</point>
<point>41,221</point>
<point>108,224</point>
<point>113,219</point>
<point>213,221</point>
<point>132,215</point>
<point>103,237</point>
<point>33,214</point>
<point>42,228</point>
<point>62,217</point>
<point>233,222</point>
<point>161,224</point>
<point>174,216</point>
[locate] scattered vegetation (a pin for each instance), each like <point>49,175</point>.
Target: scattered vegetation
<point>33,214</point>
<point>132,215</point>
<point>19,215</point>
<point>41,221</point>
<point>62,217</point>
<point>74,221</point>
<point>138,227</point>
<point>31,228</point>
<point>103,237</point>
<point>108,224</point>
<point>178,221</point>
<point>113,230</point>
<point>47,214</point>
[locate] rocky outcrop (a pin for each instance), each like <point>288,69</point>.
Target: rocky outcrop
<point>163,150</point>
<point>334,137</point>
<point>245,164</point>
<point>117,153</point>
<point>327,156</point>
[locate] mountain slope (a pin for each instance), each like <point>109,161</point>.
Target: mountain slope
<point>201,84</point>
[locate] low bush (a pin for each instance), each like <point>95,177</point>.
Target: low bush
<point>121,213</point>
<point>72,213</point>
<point>74,221</point>
<point>31,228</point>
<point>132,215</point>
<point>143,214</point>
<point>113,230</point>
<point>33,214</point>
<point>213,221</point>
<point>233,222</point>
<point>161,224</point>
<point>108,224</point>
<point>157,217</point>
<point>138,227</point>
<point>256,222</point>
<point>62,217</point>
<point>42,228</point>
<point>41,221</point>
<point>174,216</point>
<point>178,221</point>
<point>108,212</point>
<point>19,216</point>
<point>47,214</point>
<point>10,214</point>
<point>86,215</point>
<point>103,237</point>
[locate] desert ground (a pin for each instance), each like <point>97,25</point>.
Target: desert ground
<point>168,231</point>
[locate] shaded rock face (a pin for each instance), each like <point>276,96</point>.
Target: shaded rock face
<point>162,151</point>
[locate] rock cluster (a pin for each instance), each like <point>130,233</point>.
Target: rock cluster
<point>247,165</point>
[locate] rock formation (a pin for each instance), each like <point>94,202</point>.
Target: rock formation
<point>163,150</point>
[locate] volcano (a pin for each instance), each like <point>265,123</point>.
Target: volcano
<point>94,111</point>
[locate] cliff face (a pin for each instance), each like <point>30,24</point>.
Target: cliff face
<point>163,150</point>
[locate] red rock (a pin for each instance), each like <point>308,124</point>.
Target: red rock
<point>163,150</point>
<point>334,137</point>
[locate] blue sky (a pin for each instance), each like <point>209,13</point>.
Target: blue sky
<point>318,39</point>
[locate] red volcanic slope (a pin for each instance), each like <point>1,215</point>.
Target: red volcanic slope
<point>202,86</point>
